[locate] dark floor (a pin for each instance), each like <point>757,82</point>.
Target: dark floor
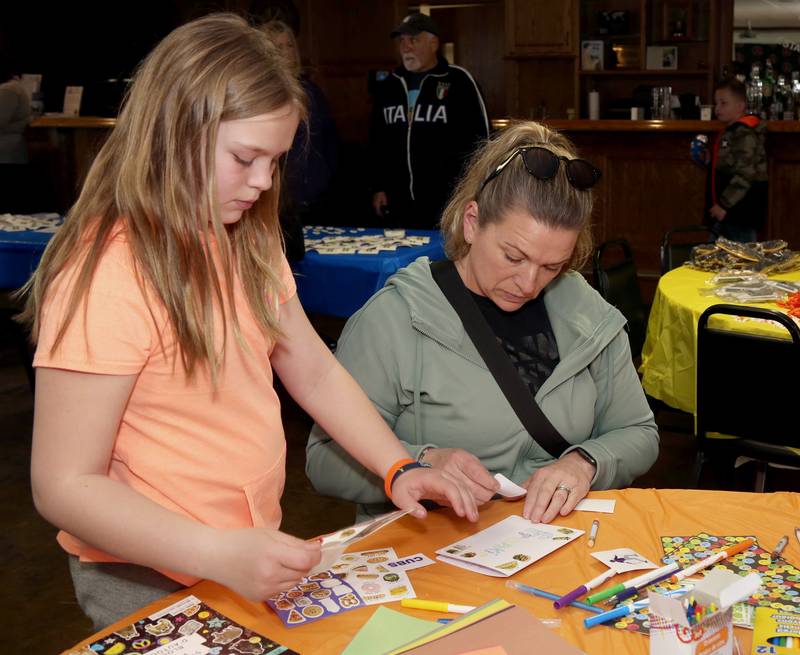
<point>38,608</point>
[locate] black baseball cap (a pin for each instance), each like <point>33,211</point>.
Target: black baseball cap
<point>413,24</point>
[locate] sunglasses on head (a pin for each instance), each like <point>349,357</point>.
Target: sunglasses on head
<point>543,165</point>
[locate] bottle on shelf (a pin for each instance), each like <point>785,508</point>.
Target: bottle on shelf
<point>777,106</point>
<point>755,91</point>
<point>769,88</point>
<point>794,90</point>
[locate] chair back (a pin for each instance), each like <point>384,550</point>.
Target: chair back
<point>745,384</point>
<point>677,244</point>
<point>618,283</point>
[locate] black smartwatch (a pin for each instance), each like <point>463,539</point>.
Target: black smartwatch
<point>586,456</point>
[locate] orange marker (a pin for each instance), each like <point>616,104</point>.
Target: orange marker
<point>712,559</point>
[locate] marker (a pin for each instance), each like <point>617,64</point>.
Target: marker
<point>593,533</point>
<point>712,559</point>
<point>436,606</point>
<point>546,594</point>
<point>633,582</point>
<point>776,553</point>
<point>632,591</point>
<point>576,593</point>
<point>624,610</point>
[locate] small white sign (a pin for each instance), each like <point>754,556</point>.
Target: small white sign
<point>72,100</point>
<point>410,562</point>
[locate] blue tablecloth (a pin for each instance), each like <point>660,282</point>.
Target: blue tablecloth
<point>19,255</point>
<point>338,285</point>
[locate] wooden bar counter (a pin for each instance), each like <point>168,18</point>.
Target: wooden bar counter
<point>649,184</point>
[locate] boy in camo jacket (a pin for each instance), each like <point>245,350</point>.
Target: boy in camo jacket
<point>736,193</point>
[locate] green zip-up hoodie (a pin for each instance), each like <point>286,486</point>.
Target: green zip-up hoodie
<point>408,350</point>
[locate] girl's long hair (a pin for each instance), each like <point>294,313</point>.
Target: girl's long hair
<point>554,203</point>
<point>154,178</point>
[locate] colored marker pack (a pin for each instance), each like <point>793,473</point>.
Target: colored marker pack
<point>700,622</point>
<point>776,632</point>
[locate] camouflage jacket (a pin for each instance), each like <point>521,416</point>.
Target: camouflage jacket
<point>738,173</point>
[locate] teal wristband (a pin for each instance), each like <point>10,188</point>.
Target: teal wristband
<point>408,467</point>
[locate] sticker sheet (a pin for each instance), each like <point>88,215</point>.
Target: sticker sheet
<point>507,546</point>
<point>780,588</point>
<point>188,627</point>
<point>357,580</point>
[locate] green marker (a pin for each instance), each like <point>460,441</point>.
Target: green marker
<point>606,593</point>
<point>633,583</point>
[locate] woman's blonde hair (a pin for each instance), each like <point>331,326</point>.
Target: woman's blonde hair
<point>554,203</point>
<point>276,27</point>
<point>154,176</point>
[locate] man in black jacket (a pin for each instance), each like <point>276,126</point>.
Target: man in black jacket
<point>427,117</point>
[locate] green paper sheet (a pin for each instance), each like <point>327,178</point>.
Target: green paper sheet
<point>386,630</point>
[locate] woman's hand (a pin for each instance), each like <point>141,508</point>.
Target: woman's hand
<point>557,488</point>
<point>433,484</point>
<point>258,563</point>
<point>467,469</point>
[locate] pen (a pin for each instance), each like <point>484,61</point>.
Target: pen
<point>593,533</point>
<point>633,582</point>
<point>776,553</point>
<point>632,591</point>
<point>712,559</point>
<point>436,606</point>
<point>546,594</point>
<point>576,593</point>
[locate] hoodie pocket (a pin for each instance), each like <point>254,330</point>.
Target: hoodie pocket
<point>264,495</point>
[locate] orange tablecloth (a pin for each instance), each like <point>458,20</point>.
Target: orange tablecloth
<point>642,516</point>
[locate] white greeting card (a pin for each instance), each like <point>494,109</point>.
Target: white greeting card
<point>507,547</point>
<point>624,559</point>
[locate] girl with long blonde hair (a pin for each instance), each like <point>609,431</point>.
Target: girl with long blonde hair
<point>160,311</point>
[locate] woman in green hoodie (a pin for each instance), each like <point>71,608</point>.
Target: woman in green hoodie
<point>517,230</point>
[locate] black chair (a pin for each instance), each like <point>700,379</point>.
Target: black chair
<point>618,283</point>
<point>746,390</point>
<point>677,244</point>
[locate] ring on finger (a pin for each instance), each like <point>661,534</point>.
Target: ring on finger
<point>564,487</point>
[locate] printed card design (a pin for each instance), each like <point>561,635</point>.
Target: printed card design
<point>624,559</point>
<point>369,573</point>
<point>188,627</point>
<point>507,547</point>
<point>780,587</point>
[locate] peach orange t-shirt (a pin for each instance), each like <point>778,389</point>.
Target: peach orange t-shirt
<point>214,454</point>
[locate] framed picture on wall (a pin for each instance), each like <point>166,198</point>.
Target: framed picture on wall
<point>592,55</point>
<point>662,57</point>
<point>676,23</point>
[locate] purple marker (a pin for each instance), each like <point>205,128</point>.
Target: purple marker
<point>566,599</point>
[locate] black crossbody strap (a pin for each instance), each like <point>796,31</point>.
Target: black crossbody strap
<point>497,361</point>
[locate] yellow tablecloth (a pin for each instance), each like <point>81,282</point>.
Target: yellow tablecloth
<point>641,517</point>
<point>669,353</point>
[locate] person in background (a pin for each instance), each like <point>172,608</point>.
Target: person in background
<point>736,186</point>
<point>15,113</point>
<point>161,308</point>
<point>312,160</point>
<point>427,117</point>
<point>517,230</point>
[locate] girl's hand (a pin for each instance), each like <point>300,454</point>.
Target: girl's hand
<point>436,485</point>
<point>557,488</point>
<point>258,563</point>
<point>467,469</point>
<point>717,212</point>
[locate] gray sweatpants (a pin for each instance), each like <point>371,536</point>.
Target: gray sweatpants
<point>108,591</point>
